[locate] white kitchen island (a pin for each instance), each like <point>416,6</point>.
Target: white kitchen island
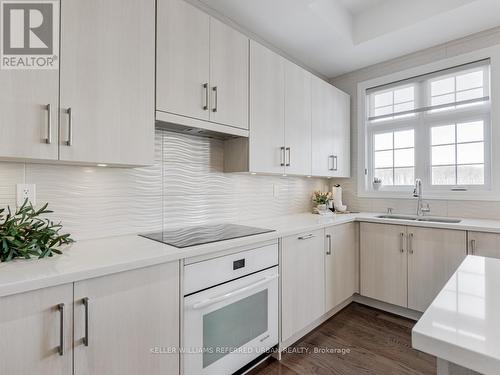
<point>462,325</point>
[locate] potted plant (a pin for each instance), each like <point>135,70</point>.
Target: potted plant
<point>321,200</point>
<point>25,234</point>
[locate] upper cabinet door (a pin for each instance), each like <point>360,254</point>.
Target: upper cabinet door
<point>28,114</point>
<point>297,120</point>
<point>267,110</point>
<point>228,75</point>
<point>330,130</point>
<point>183,43</point>
<point>107,81</point>
<point>342,138</point>
<point>323,130</point>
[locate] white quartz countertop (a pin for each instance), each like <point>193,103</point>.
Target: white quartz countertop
<point>93,258</point>
<point>462,325</point>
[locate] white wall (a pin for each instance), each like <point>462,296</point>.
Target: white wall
<point>186,186</point>
<point>349,83</point>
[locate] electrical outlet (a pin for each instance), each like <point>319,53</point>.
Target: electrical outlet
<point>26,191</point>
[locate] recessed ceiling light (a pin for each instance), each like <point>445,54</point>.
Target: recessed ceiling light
<point>253,173</point>
<point>102,165</point>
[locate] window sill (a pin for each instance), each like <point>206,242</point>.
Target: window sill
<point>433,195</point>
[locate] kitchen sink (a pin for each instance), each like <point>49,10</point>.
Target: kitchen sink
<point>421,218</point>
<point>397,217</point>
<point>439,220</point>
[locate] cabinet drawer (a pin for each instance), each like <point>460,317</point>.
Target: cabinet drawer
<point>201,275</point>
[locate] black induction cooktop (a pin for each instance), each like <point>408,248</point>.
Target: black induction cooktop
<point>192,236</point>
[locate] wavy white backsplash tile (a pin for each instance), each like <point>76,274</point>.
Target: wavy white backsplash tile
<point>186,186</point>
<point>196,190</point>
<point>10,175</point>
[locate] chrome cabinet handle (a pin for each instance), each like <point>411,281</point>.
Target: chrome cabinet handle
<point>402,242</point>
<point>205,87</point>
<point>60,307</point>
<point>309,236</point>
<point>329,238</point>
<point>336,163</point>
<point>288,153</point>
<point>410,243</point>
<point>473,247</point>
<point>216,99</point>
<point>69,142</point>
<point>331,157</point>
<point>85,302</point>
<point>48,140</point>
<point>282,156</point>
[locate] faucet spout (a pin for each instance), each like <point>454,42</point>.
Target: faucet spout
<point>417,193</point>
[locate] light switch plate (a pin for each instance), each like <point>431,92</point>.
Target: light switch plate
<point>26,191</point>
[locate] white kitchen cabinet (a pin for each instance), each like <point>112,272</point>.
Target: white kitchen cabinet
<point>341,264</point>
<point>33,326</point>
<point>107,81</point>
<point>183,50</point>
<point>127,315</point>
<point>297,120</point>
<point>267,111</point>
<point>383,263</point>
<point>408,266</point>
<point>302,281</point>
<point>280,118</point>
<point>433,257</point>
<point>28,114</point>
<point>228,75</point>
<point>484,244</point>
<point>202,67</point>
<point>125,318</point>
<point>330,130</point>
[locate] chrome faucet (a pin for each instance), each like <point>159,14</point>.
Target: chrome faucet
<point>417,193</point>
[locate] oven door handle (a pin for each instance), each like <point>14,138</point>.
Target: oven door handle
<point>211,301</point>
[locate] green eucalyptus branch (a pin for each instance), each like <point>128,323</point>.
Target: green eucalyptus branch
<point>25,234</point>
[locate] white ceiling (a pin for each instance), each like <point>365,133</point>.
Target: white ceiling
<point>358,6</point>
<point>333,37</point>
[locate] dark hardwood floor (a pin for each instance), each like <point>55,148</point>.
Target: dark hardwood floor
<point>374,343</point>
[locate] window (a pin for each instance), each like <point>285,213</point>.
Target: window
<point>393,101</point>
<point>435,127</point>
<point>394,155</point>
<point>457,154</point>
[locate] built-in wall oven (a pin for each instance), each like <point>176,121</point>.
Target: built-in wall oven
<point>230,310</point>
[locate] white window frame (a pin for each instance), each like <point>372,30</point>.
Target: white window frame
<point>489,191</point>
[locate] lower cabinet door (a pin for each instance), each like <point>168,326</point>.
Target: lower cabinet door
<point>36,332</point>
<point>303,281</point>
<point>383,263</point>
<point>341,264</point>
<point>433,257</point>
<point>126,323</point>
<point>484,244</point>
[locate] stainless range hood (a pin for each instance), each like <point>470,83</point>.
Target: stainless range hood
<point>200,128</point>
